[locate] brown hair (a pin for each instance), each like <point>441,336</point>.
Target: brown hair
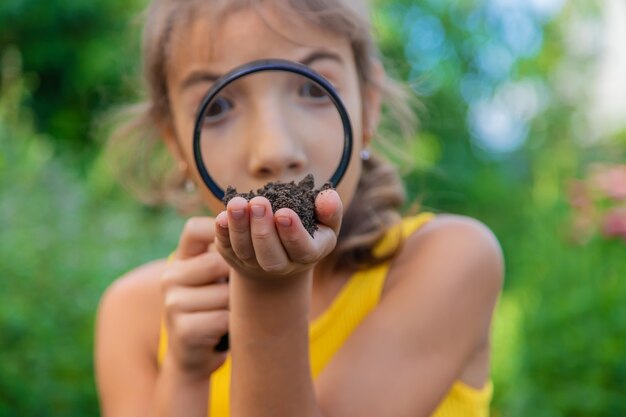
<point>156,181</point>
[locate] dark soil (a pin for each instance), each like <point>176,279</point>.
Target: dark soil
<point>298,197</point>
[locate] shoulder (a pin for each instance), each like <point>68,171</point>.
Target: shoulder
<point>454,251</point>
<point>140,284</point>
<point>454,233</point>
<point>434,318</point>
<point>131,306</point>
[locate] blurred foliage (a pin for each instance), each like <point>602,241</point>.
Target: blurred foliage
<point>559,329</point>
<point>79,54</point>
<point>502,135</point>
<point>64,239</point>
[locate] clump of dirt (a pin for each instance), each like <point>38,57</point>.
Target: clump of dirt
<point>298,197</point>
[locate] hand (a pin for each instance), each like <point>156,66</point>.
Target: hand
<point>264,245</point>
<point>196,292</point>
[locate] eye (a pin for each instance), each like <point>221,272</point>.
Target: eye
<point>217,110</point>
<point>312,91</point>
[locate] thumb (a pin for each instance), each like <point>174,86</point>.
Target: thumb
<point>329,209</point>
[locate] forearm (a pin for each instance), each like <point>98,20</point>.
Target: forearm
<point>270,348</point>
<point>179,394</point>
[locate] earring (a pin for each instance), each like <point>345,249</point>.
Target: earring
<point>365,155</point>
<point>190,186</point>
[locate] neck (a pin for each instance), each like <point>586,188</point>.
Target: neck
<point>327,283</point>
<point>324,271</point>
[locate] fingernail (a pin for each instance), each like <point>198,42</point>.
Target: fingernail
<point>258,210</point>
<point>284,221</point>
<point>237,214</point>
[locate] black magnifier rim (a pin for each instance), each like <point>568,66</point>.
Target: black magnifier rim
<point>271,65</point>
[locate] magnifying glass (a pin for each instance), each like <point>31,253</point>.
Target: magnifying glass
<point>277,111</point>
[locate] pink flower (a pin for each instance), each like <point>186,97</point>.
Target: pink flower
<point>599,202</point>
<point>614,223</point>
<point>610,180</point>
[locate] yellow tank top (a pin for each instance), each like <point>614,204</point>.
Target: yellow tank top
<point>328,332</point>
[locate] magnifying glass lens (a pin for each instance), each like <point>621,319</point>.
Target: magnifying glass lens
<point>270,126</point>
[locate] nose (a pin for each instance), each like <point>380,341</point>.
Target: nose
<point>275,152</point>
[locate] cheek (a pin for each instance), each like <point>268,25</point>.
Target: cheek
<point>183,127</point>
<point>214,205</point>
<point>354,105</point>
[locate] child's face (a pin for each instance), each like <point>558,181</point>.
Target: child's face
<point>241,37</point>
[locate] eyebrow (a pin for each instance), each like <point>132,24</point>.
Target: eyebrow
<point>197,77</point>
<point>207,76</point>
<point>319,55</point>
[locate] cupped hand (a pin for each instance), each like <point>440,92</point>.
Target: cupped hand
<point>264,245</point>
<point>196,300</point>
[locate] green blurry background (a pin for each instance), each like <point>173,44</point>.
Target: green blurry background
<point>507,90</point>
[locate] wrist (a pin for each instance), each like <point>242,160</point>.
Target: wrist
<point>180,394</point>
<point>276,284</point>
<point>280,303</point>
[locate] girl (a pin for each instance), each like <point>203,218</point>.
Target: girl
<point>372,317</point>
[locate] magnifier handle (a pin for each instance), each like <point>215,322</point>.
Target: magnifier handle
<point>223,344</point>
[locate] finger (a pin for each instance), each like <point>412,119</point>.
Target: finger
<point>222,237</point>
<point>239,229</point>
<point>329,209</point>
<point>299,244</point>
<point>270,254</point>
<point>204,269</point>
<point>296,240</point>
<point>197,299</point>
<point>197,235</point>
<point>325,241</point>
<point>200,329</point>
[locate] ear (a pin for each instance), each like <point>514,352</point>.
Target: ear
<point>372,102</point>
